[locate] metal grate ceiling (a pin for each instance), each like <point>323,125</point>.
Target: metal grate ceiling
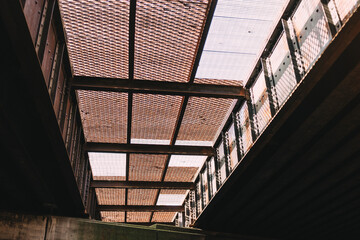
<point>157,40</point>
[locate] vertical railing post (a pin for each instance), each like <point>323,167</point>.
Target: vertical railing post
<point>252,118</point>
<point>239,151</point>
<point>332,16</point>
<point>217,169</point>
<point>294,49</point>
<point>209,176</point>
<point>270,86</point>
<point>225,137</point>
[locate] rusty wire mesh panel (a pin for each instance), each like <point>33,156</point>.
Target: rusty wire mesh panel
<point>97,34</point>
<point>163,216</point>
<point>110,196</point>
<point>103,116</point>
<point>112,216</point>
<point>244,128</point>
<point>312,31</point>
<point>180,174</point>
<point>146,167</point>
<point>346,8</point>
<point>204,118</point>
<point>261,102</point>
<point>166,38</point>
<point>138,217</point>
<point>218,81</point>
<point>283,70</point>
<point>154,116</point>
<point>141,196</point>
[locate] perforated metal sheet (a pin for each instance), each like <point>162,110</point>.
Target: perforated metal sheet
<point>138,217</point>
<point>166,38</point>
<point>97,35</point>
<point>103,116</point>
<point>346,7</point>
<point>141,196</point>
<point>163,216</point>
<point>154,116</point>
<point>110,196</point>
<point>146,167</point>
<point>204,118</point>
<point>180,174</point>
<point>112,216</point>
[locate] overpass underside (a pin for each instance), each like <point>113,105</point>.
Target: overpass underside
<point>136,131</point>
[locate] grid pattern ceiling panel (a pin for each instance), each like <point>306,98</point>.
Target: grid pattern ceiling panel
<point>204,117</point>
<point>110,196</point>
<point>180,174</point>
<point>166,38</point>
<point>97,34</point>
<point>141,196</point>
<point>146,167</point>
<point>103,116</point>
<point>138,217</point>
<point>154,116</point>
<point>112,216</point>
<point>163,216</point>
<point>237,35</point>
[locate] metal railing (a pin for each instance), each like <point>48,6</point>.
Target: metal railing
<point>303,37</point>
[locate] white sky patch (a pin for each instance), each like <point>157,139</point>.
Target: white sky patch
<point>186,161</point>
<point>108,164</point>
<point>171,199</point>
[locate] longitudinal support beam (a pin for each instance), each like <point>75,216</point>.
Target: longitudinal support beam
<point>143,185</point>
<point>141,208</point>
<point>159,87</point>
<point>150,149</point>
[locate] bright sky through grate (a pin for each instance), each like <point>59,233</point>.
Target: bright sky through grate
<point>171,199</point>
<point>186,161</point>
<point>237,36</point>
<point>108,164</point>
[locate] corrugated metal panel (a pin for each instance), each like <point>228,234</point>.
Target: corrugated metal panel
<point>163,216</point>
<point>166,38</point>
<point>138,217</point>
<point>312,30</point>
<point>204,117</point>
<point>283,70</point>
<point>110,196</point>
<point>154,116</point>
<point>97,34</point>
<point>103,116</point>
<point>141,196</point>
<point>112,216</point>
<point>237,35</point>
<point>346,8</point>
<point>180,174</point>
<point>146,167</point>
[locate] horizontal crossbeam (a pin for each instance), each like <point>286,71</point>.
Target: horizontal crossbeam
<point>143,185</point>
<point>159,87</point>
<point>149,149</point>
<point>140,208</point>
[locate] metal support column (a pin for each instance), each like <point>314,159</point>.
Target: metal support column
<point>294,49</point>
